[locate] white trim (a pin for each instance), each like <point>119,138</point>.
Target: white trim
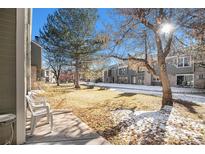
<point>170,57</point>
<point>37,44</point>
<point>183,74</point>
<point>20,76</point>
<point>124,66</point>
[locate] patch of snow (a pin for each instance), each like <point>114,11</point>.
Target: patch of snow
<point>158,127</point>
<point>149,88</point>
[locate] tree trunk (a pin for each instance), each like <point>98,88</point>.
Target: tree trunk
<point>76,82</point>
<point>166,89</point>
<point>58,82</point>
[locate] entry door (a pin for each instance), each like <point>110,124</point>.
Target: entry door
<point>180,80</point>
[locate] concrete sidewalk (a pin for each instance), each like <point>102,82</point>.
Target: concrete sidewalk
<point>68,130</point>
<point>149,88</point>
<point>186,94</point>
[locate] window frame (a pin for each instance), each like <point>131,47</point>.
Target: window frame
<point>183,61</point>
<point>187,75</point>
<point>201,76</point>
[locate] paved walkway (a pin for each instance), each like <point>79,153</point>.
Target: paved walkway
<point>68,130</point>
<point>186,94</point>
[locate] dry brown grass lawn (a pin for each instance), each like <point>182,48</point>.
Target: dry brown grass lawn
<point>93,106</point>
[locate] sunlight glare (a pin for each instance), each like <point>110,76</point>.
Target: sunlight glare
<point>167,28</point>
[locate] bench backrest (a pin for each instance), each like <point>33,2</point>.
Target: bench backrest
<point>30,102</point>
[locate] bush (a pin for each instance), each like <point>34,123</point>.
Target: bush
<point>90,86</point>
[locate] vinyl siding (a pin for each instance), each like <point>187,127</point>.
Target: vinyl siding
<point>35,55</point>
<point>7,60</point>
<point>7,66</point>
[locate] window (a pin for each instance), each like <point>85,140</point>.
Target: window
<point>122,79</point>
<point>47,73</point>
<point>134,79</point>
<point>140,69</point>
<point>185,80</point>
<point>187,61</point>
<point>109,72</point>
<point>180,62</point>
<point>123,71</point>
<point>201,76</point>
<point>184,61</point>
<point>140,78</point>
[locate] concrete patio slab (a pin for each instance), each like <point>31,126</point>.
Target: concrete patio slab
<point>68,130</point>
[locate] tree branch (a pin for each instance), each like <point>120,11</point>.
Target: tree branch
<point>145,63</point>
<point>159,44</point>
<point>180,41</point>
<point>114,56</point>
<point>168,46</point>
<point>136,59</point>
<point>147,24</point>
<point>145,41</point>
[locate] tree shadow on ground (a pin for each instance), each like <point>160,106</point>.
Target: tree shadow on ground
<point>193,108</point>
<point>153,134</point>
<point>189,105</point>
<point>125,95</point>
<point>64,85</point>
<point>63,90</point>
<point>128,94</point>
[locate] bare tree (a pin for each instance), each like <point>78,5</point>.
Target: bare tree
<point>56,61</point>
<point>158,27</point>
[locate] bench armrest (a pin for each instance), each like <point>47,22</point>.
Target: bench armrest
<point>42,107</point>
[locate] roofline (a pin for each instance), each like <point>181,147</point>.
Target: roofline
<point>36,44</point>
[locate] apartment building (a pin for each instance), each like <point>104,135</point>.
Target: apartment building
<point>66,76</point>
<point>183,71</point>
<point>36,61</point>
<point>48,76</point>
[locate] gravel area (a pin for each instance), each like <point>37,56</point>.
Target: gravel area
<point>166,126</point>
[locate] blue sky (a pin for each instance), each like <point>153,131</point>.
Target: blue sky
<point>39,19</point>
<point>40,16</point>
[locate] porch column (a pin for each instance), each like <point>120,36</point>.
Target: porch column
<point>22,50</point>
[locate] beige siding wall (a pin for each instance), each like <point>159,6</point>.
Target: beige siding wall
<point>7,65</point>
<point>36,58</point>
<point>172,80</point>
<point>7,60</point>
<point>147,78</point>
<point>35,55</point>
<point>199,82</point>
